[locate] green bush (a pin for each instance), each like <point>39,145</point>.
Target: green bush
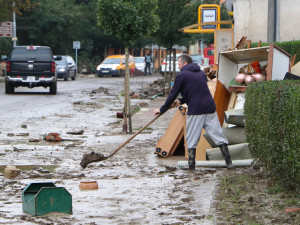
<point>272,115</point>
<point>291,47</point>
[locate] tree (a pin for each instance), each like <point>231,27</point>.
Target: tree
<point>128,20</point>
<point>8,6</point>
<point>173,16</point>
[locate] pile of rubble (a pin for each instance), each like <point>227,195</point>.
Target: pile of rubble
<point>151,90</point>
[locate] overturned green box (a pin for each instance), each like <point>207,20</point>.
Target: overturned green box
<point>44,197</point>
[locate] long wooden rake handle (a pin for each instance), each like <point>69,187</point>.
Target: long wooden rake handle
<point>136,133</point>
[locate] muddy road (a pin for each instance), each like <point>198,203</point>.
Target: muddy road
<point>135,186</point>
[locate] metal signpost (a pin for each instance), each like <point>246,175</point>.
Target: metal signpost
<point>76,46</point>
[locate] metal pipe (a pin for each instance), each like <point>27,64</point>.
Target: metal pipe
<point>275,20</point>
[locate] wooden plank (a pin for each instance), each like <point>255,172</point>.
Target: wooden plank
<point>231,104</point>
<point>221,97</point>
<point>232,101</point>
<point>201,148</point>
<point>237,88</point>
<point>174,133</point>
<point>176,142</point>
<point>248,55</point>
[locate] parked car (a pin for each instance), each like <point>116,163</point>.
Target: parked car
<point>31,66</point>
<point>65,69</point>
<point>198,59</point>
<point>115,65</point>
<point>140,64</point>
<point>165,64</point>
<point>72,67</point>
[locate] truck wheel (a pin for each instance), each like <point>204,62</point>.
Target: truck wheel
<point>9,88</point>
<point>53,88</point>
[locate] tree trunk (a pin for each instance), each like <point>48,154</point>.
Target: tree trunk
<point>159,60</point>
<point>127,104</point>
<point>125,109</point>
<point>174,65</point>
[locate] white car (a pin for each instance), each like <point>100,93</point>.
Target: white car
<point>140,64</point>
<point>166,64</point>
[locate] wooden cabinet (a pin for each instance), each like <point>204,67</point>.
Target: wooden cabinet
<point>230,63</point>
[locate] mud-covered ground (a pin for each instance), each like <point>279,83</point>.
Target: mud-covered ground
<point>135,186</point>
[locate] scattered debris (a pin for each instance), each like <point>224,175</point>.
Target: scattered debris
<point>120,115</point>
<point>23,134</point>
<point>80,132</point>
<point>53,137</point>
<point>33,140</point>
<point>11,172</point>
<point>211,71</point>
<point>152,89</point>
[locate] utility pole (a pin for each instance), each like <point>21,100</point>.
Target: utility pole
<point>14,39</point>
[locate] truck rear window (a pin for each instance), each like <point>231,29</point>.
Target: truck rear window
<point>37,54</point>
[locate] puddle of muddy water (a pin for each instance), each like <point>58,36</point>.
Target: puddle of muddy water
<point>50,168</point>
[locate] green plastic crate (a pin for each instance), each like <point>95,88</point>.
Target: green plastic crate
<point>44,197</point>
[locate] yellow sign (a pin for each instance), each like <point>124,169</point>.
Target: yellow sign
<point>208,13</point>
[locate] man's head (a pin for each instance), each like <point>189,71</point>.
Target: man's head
<point>183,60</point>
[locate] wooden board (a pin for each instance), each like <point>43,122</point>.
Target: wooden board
<point>223,41</point>
<point>221,97</point>
<point>173,135</point>
<point>248,55</point>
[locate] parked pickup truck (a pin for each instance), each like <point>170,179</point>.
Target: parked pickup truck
<point>30,66</point>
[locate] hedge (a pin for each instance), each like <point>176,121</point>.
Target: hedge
<point>291,47</point>
<point>272,115</point>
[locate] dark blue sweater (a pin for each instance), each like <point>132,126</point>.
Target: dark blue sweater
<point>191,83</point>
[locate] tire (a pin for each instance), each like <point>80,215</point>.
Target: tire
<point>74,77</point>
<point>9,88</point>
<point>65,78</point>
<point>53,88</point>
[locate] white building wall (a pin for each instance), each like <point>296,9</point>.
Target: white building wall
<point>289,20</point>
<point>251,20</point>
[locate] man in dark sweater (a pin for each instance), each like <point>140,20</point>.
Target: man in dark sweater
<point>191,83</point>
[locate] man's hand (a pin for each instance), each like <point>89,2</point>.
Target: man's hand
<point>156,112</point>
<point>175,104</point>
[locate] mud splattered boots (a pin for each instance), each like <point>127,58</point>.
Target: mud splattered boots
<point>192,155</point>
<point>226,156</point>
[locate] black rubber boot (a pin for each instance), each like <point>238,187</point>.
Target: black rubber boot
<point>192,155</point>
<point>226,156</point>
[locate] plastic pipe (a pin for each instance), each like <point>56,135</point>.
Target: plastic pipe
<point>217,163</point>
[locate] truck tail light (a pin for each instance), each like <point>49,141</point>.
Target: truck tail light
<point>8,66</point>
<point>53,67</point>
